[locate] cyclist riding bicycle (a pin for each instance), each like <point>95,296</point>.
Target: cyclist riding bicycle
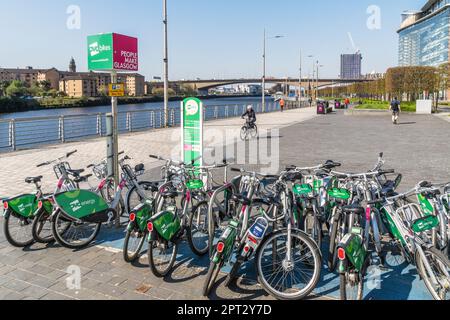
<point>251,117</point>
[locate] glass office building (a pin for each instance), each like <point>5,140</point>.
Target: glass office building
<point>424,35</point>
<point>351,66</point>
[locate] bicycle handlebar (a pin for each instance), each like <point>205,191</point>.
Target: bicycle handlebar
<point>69,154</point>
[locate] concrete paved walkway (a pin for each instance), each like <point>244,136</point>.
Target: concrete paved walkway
<point>17,166</point>
<point>418,148</point>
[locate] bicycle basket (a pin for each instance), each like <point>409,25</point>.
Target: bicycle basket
<point>60,168</point>
<point>409,213</point>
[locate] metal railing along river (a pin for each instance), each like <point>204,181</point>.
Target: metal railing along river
<point>25,133</point>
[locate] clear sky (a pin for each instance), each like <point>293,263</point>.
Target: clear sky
<point>208,38</point>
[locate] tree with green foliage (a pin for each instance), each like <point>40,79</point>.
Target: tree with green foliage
<point>16,89</point>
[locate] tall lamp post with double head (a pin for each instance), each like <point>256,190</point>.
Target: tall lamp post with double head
<point>264,69</point>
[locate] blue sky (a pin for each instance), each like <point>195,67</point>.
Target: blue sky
<point>208,38</point>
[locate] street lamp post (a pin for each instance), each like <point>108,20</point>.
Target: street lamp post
<point>300,83</point>
<point>166,67</point>
<point>264,70</point>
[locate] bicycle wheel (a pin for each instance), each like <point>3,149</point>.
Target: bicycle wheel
<point>18,230</point>
<point>211,277</point>
<point>42,228</point>
<point>351,286</point>
<point>74,235</point>
<point>132,246</point>
<point>283,279</point>
<point>440,267</point>
<point>335,238</point>
<point>133,197</point>
<point>197,230</point>
<point>162,255</point>
<point>109,190</point>
<point>313,227</point>
<point>244,133</point>
<point>254,132</point>
<point>231,277</point>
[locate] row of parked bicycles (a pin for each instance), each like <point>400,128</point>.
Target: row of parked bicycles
<point>277,221</point>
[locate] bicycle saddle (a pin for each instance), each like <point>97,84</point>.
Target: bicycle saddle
<point>75,172</point>
<point>354,209</point>
<point>83,179</point>
<point>33,179</point>
<point>139,167</point>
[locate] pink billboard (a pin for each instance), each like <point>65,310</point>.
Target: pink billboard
<point>126,56</point>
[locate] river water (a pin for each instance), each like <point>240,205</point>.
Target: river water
<point>34,128</point>
<point>128,107</point>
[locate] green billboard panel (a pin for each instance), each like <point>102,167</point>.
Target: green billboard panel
<point>100,52</point>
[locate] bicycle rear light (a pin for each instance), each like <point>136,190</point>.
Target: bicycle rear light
<point>341,254</point>
<point>150,227</point>
<point>132,217</point>
<point>5,205</point>
<point>220,247</point>
<point>40,205</point>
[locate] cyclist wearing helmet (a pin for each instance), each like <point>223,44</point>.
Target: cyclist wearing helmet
<point>251,116</point>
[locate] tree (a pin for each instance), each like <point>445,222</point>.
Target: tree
<point>188,90</point>
<point>16,89</point>
<point>3,86</point>
<point>159,92</point>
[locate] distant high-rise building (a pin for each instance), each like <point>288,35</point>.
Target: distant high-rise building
<point>72,65</point>
<point>424,35</point>
<point>351,66</point>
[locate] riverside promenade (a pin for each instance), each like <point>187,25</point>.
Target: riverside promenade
<point>16,166</point>
<point>417,148</point>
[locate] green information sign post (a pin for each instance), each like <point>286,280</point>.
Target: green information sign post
<point>192,130</point>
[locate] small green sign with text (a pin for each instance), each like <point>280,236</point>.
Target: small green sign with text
<point>192,130</point>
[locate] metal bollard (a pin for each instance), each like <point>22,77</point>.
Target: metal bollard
<point>61,129</point>
<point>99,125</point>
<point>152,119</point>
<point>129,122</point>
<point>12,134</point>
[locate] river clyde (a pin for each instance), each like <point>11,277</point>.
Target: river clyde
<point>129,107</point>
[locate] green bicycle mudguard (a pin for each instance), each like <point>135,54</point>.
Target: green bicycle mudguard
<point>354,250</point>
<point>195,184</point>
<point>425,224</point>
<point>83,205</point>
<point>143,213</point>
<point>302,189</point>
<point>339,193</point>
<point>425,205</point>
<point>23,206</point>
<point>167,224</point>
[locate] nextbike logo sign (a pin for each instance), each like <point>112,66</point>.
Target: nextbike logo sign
<point>112,51</point>
<point>192,108</point>
<point>77,205</point>
<point>96,49</point>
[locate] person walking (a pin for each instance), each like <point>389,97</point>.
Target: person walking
<point>282,104</point>
<point>347,103</point>
<point>396,109</point>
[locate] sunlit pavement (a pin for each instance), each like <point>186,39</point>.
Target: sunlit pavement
<point>418,148</point>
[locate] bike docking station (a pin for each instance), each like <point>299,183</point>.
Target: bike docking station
<point>111,53</point>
